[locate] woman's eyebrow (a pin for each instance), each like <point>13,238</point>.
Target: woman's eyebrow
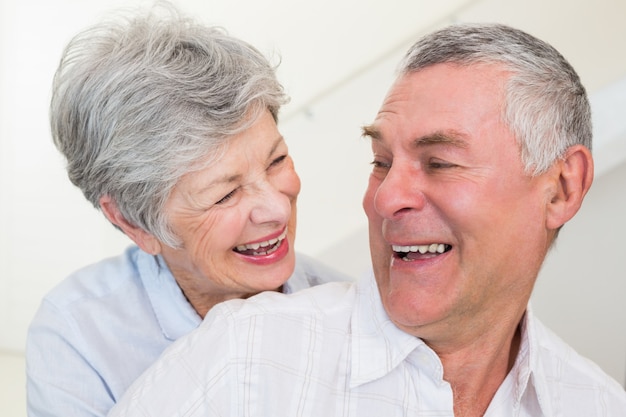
<point>280,139</point>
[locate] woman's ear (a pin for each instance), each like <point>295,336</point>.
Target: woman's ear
<point>575,175</point>
<point>146,241</point>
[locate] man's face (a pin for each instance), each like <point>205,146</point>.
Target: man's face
<point>457,229</point>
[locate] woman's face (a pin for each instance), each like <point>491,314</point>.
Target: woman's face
<point>236,220</point>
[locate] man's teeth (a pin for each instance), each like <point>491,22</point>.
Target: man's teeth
<point>265,244</point>
<point>432,248</point>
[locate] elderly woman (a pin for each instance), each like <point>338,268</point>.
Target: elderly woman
<point>169,128</point>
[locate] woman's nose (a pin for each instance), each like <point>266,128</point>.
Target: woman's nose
<point>271,205</point>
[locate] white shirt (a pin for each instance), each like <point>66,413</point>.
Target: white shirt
<point>98,330</point>
<point>332,351</point>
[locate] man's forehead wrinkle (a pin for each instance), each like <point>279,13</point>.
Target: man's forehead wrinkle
<point>373,130</point>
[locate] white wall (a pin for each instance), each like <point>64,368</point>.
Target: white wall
<point>350,49</point>
<point>581,291</point>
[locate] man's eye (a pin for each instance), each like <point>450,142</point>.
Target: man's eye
<point>440,164</point>
<point>227,197</point>
<point>380,164</point>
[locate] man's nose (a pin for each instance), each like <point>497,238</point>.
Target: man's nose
<point>399,192</point>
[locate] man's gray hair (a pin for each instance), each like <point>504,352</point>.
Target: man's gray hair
<point>546,106</point>
<point>140,101</point>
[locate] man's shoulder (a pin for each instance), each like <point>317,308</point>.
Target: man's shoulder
<point>276,337</point>
<point>272,323</point>
<point>563,358</point>
<point>328,298</point>
<point>327,307</point>
<point>576,377</point>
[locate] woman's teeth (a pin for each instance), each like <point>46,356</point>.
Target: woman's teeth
<point>266,247</point>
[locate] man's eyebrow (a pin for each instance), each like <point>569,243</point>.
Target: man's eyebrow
<point>448,137</point>
<point>370,131</point>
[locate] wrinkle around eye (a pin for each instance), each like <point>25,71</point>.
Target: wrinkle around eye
<point>227,197</point>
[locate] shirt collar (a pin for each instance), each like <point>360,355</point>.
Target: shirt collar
<point>529,373</point>
<point>175,315</point>
<point>378,346</point>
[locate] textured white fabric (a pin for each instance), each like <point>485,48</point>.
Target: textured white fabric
<point>96,332</point>
<point>332,351</point>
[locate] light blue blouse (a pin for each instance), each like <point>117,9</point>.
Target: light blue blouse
<point>96,332</point>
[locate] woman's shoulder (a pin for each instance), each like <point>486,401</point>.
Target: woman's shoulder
<point>100,279</point>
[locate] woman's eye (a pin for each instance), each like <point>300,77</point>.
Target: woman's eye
<point>227,197</point>
<point>278,160</point>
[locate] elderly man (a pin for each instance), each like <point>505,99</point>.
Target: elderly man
<point>481,154</point>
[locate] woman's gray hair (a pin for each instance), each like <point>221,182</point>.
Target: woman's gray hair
<point>140,101</point>
<point>546,106</point>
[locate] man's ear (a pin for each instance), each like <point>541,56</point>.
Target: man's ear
<point>146,241</point>
<point>575,175</point>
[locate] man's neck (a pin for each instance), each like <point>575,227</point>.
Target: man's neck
<point>475,371</point>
